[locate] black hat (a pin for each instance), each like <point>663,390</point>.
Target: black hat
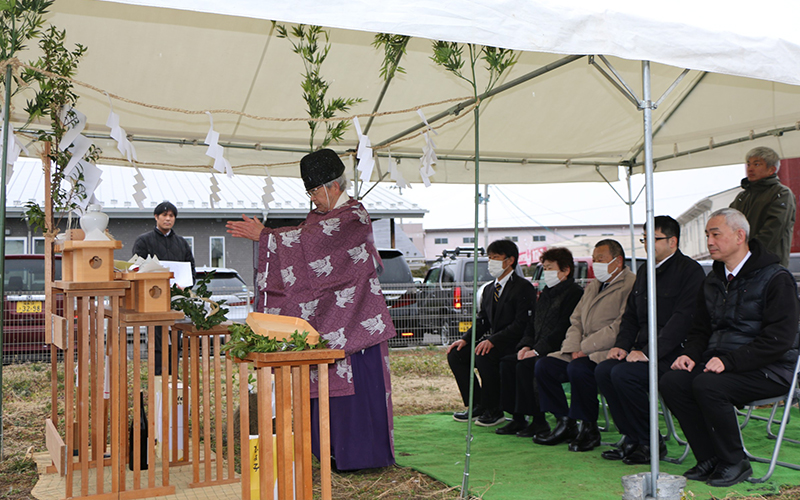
<point>165,206</point>
<point>320,167</point>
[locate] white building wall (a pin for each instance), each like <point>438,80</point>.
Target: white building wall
<point>693,222</point>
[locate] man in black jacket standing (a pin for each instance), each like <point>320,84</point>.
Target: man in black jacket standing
<point>165,245</point>
<point>742,346</point>
<point>624,377</point>
<point>544,335</point>
<point>506,308</point>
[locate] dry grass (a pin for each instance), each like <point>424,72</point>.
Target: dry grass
<point>421,383</point>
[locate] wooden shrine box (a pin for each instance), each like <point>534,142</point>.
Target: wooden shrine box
<point>88,261</point>
<point>149,292</point>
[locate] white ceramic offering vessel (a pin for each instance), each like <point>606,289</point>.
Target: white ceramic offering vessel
<point>94,223</point>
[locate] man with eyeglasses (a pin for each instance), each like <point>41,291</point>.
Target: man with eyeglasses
<point>324,271</point>
<point>624,377</point>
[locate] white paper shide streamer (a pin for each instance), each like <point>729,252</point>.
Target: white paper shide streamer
<point>215,151</point>
<point>366,161</point>
<point>77,144</point>
<point>428,159</point>
<point>14,149</point>
<point>124,146</point>
<point>396,175</point>
<point>268,190</point>
<point>138,189</point>
<point>214,198</point>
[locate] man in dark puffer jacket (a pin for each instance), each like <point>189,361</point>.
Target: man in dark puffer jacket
<point>166,245</point>
<point>742,346</point>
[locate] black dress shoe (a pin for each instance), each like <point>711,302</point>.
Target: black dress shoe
<point>533,429</point>
<point>587,439</point>
<point>462,416</point>
<point>641,455</point>
<point>702,470</point>
<point>512,427</point>
<point>730,474</point>
<point>566,430</point>
<point>619,452</point>
<point>490,418</point>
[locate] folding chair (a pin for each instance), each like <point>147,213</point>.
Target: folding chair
<point>672,433</point>
<point>788,399</point>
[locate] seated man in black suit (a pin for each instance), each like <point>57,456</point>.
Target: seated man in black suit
<point>506,308</point>
<point>742,346</point>
<point>624,377</point>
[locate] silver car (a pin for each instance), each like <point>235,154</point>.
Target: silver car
<point>227,285</point>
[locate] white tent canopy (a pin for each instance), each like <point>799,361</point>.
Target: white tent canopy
<point>555,127</point>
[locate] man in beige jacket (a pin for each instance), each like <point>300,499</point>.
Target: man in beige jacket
<point>592,333</point>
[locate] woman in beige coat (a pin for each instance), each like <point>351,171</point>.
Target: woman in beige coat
<point>592,333</point>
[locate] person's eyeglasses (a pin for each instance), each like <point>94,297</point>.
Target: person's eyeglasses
<point>313,192</point>
<point>657,238</point>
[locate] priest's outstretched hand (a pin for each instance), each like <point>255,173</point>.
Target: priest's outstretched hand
<point>249,228</point>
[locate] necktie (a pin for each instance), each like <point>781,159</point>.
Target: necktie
<point>730,277</point>
<point>497,289</point>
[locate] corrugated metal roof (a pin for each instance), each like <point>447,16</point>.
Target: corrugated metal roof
<point>190,191</point>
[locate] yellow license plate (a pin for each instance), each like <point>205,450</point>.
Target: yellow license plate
<point>29,306</point>
<point>463,326</point>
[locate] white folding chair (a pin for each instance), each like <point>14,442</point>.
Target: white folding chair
<point>788,400</point>
<point>672,433</point>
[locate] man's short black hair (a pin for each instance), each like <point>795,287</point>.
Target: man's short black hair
<point>504,247</point>
<point>165,206</point>
<point>561,256</point>
<point>614,248</point>
<point>668,226</point>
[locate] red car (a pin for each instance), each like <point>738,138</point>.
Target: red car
<point>24,308</point>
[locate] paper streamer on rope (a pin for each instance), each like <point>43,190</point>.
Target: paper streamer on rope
<point>366,160</point>
<point>396,175</point>
<point>214,196</point>
<point>118,134</point>
<point>268,190</point>
<point>428,158</point>
<point>14,149</point>
<point>91,179</point>
<point>138,189</point>
<point>74,122</point>
<point>221,164</point>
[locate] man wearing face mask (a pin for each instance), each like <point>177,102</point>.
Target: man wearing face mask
<point>324,271</point>
<point>624,377</point>
<point>543,336</point>
<point>506,308</point>
<point>593,330</point>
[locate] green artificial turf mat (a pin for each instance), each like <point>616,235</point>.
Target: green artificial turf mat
<point>508,467</point>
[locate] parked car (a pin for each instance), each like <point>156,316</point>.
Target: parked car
<point>226,284</point>
<point>444,300</point>
<point>24,307</point>
<point>400,292</point>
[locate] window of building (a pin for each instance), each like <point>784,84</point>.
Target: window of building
<point>579,235</point>
<point>16,245</point>
<point>190,241</point>
<point>38,245</point>
<point>217,251</point>
<point>512,238</point>
<point>470,239</point>
<point>607,234</point>
<point>440,241</point>
<point>539,237</point>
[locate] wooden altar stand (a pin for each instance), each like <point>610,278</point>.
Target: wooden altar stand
<point>209,373</point>
<point>292,405</point>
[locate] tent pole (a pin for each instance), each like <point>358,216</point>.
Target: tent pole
<point>629,171</point>
<point>485,216</point>
<point>3,165</point>
<point>647,109</point>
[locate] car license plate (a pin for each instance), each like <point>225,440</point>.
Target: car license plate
<point>463,326</point>
<point>29,306</point>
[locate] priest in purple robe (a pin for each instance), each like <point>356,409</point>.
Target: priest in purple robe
<point>324,271</point>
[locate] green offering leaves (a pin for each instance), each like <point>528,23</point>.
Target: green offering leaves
<point>243,341</point>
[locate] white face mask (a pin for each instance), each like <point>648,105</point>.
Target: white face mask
<point>601,271</point>
<point>551,278</point>
<point>495,268</point>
